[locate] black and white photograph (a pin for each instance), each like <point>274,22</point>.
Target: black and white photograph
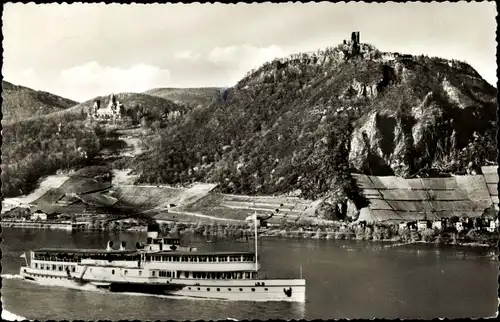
<point>249,161</point>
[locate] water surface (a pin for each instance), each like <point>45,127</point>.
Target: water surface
<point>345,279</point>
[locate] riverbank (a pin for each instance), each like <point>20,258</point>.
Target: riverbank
<point>334,231</point>
<point>42,224</point>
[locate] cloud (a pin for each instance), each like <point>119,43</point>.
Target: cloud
<point>240,59</point>
<point>245,55</point>
<point>186,55</point>
<point>92,79</point>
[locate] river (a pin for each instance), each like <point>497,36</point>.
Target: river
<point>345,279</point>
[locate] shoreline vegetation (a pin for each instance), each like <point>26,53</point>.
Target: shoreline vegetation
<point>377,232</point>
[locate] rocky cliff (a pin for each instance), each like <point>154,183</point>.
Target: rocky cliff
<point>301,124</point>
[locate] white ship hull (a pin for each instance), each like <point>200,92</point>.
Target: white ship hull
<point>289,290</point>
<point>163,267</point>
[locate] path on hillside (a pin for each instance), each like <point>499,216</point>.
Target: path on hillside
<point>132,138</point>
<point>194,214</point>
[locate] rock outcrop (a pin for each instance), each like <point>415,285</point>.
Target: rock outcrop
<point>303,122</point>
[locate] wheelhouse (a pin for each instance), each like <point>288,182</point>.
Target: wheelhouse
<point>164,240</point>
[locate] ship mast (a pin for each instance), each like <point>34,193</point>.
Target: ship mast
<point>256,249</point>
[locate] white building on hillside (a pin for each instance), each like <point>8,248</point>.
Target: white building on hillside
<point>113,111</point>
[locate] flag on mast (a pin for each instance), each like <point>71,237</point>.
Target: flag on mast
<point>23,255</point>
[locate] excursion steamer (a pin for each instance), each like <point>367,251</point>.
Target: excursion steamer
<point>162,266</point>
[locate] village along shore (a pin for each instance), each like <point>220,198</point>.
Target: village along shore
<point>472,234</point>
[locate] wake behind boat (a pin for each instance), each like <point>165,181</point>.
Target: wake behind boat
<point>162,266</point>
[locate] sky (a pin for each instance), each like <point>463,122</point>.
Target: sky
<point>81,51</point>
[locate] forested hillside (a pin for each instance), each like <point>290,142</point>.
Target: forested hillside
<point>19,102</point>
<point>300,125</point>
<point>187,96</point>
<point>38,147</point>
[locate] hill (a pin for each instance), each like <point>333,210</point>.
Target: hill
<point>20,102</point>
<point>137,105</point>
<point>302,124</point>
<point>40,145</point>
<point>187,96</point>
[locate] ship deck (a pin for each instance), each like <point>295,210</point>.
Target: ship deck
<point>84,251</point>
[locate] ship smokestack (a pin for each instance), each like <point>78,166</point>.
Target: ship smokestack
<point>110,246</point>
<point>122,246</point>
<point>153,230</point>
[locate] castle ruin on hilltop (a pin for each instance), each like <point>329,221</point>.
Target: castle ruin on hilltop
<point>352,46</point>
<point>113,111</point>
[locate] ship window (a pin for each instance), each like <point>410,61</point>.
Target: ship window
<point>240,275</point>
<point>125,272</point>
<point>241,289</point>
<point>91,270</point>
<point>73,268</point>
<point>253,290</point>
<point>247,275</point>
<point>265,289</point>
<point>208,288</point>
<point>203,275</point>
<point>218,289</point>
<point>219,275</point>
<point>153,273</point>
<point>112,271</point>
<point>36,265</point>
<point>140,273</point>
<point>54,267</point>
<point>198,288</point>
<point>186,274</point>
<point>229,289</point>
<point>60,268</point>
<point>189,288</point>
